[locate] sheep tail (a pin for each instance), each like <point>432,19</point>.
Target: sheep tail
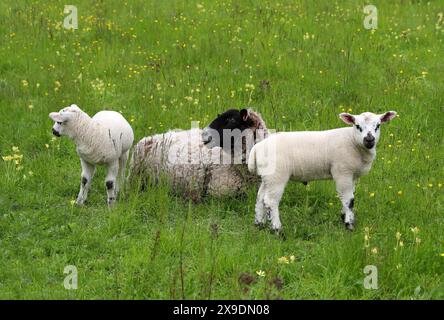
<point>252,161</point>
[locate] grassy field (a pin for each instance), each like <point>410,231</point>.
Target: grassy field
<point>165,63</point>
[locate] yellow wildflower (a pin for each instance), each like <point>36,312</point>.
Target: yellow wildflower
<point>283,260</point>
<point>260,273</point>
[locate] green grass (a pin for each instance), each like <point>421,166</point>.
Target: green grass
<point>164,63</point>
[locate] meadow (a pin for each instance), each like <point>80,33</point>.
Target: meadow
<point>163,64</point>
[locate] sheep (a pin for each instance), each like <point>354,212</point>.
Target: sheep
<point>196,161</point>
<point>342,154</point>
<point>104,139</point>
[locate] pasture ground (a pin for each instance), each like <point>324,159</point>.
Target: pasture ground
<point>165,63</point>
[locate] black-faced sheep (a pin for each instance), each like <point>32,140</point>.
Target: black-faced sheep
<point>196,161</point>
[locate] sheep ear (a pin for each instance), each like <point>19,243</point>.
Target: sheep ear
<point>386,117</point>
<point>55,116</point>
<point>347,118</point>
<point>244,114</point>
<point>74,107</point>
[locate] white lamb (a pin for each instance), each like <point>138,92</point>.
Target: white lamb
<point>342,154</point>
<point>104,139</point>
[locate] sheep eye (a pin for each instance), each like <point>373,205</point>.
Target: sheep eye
<point>60,123</point>
<point>359,127</point>
<point>377,126</point>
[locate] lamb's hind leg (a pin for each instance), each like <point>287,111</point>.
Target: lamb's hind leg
<point>272,198</point>
<point>86,178</point>
<point>260,209</point>
<point>110,181</point>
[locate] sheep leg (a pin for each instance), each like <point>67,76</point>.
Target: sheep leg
<point>110,181</point>
<point>260,209</point>
<point>272,198</point>
<point>122,167</point>
<point>345,188</point>
<point>86,178</point>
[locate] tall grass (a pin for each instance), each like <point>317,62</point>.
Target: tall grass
<point>165,63</point>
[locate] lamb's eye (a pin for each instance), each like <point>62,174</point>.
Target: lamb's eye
<point>377,126</point>
<point>59,123</point>
<point>359,127</point>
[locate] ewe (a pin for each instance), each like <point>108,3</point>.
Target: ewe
<point>342,154</point>
<point>196,162</point>
<point>104,139</point>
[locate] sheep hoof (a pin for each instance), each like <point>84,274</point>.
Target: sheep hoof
<point>80,203</point>
<point>260,225</point>
<point>111,202</point>
<point>280,233</point>
<point>343,217</point>
<point>350,226</point>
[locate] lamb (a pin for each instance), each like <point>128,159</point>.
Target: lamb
<point>104,139</point>
<point>342,154</point>
<point>196,162</point>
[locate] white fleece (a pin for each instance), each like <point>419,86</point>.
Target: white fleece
<point>102,138</point>
<point>311,155</point>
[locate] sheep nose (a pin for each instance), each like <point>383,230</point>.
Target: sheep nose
<point>55,132</point>
<point>369,138</point>
<point>207,139</point>
<point>206,136</point>
<point>369,141</point>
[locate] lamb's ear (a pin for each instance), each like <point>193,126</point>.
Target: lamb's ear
<point>74,107</point>
<point>347,118</point>
<point>244,114</point>
<point>386,117</point>
<point>56,116</point>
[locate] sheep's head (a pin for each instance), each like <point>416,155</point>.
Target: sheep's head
<point>64,120</point>
<point>366,126</point>
<point>226,123</point>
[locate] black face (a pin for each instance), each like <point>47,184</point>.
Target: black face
<point>229,120</point>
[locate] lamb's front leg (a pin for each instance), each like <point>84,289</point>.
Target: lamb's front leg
<point>272,198</point>
<point>86,178</point>
<point>111,181</point>
<point>345,187</point>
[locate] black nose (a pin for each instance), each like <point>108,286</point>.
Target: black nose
<point>369,141</point>
<point>209,138</point>
<point>369,138</point>
<point>55,132</point>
